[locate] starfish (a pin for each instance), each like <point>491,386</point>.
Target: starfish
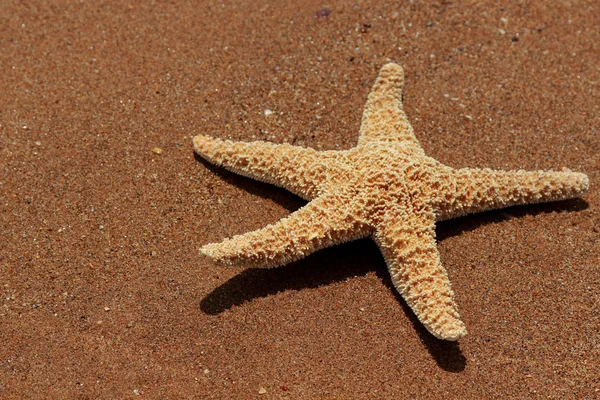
<point>385,188</point>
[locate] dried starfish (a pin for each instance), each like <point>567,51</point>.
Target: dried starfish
<point>385,188</point>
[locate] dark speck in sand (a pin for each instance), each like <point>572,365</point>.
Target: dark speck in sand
<point>323,13</point>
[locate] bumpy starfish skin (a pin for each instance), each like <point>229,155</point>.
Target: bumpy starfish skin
<point>385,188</point>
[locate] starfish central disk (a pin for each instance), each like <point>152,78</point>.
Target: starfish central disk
<point>385,188</point>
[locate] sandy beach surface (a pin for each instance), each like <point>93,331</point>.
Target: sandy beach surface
<point>103,205</point>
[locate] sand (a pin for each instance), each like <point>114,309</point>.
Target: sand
<point>103,205</point>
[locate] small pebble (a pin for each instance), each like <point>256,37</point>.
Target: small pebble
<point>157,150</point>
<point>262,390</point>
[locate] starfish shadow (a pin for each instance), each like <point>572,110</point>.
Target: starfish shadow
<point>334,264</point>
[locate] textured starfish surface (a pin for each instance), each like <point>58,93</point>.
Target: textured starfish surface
<point>385,188</point>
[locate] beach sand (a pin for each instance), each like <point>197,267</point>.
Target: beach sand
<point>103,204</point>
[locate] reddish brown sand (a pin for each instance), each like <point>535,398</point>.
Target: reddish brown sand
<point>103,294</point>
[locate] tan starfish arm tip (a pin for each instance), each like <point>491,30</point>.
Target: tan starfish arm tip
<point>476,190</point>
<point>294,168</point>
<point>321,223</point>
<point>407,242</point>
<point>383,118</point>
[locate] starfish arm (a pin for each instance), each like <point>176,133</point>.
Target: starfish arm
<point>475,190</point>
<point>383,117</point>
<point>294,168</point>
<point>409,248</point>
<point>323,222</point>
